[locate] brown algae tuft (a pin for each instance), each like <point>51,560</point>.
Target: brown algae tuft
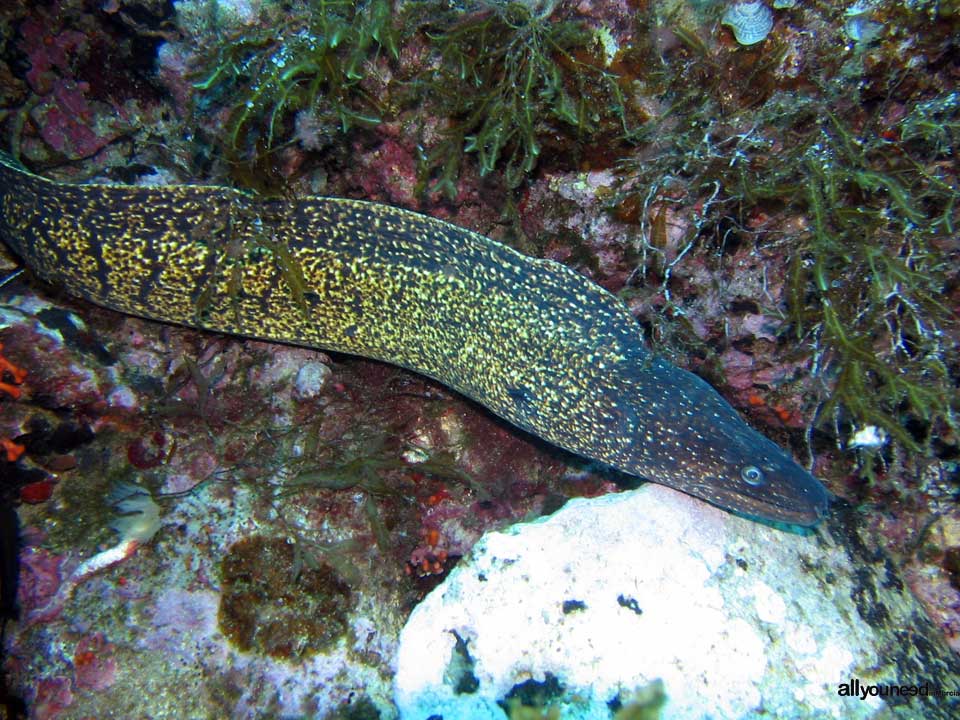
<point>273,606</point>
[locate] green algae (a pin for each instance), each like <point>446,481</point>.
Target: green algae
<point>312,63</point>
<point>866,280</point>
<point>512,78</point>
<point>861,200</point>
<point>507,78</point>
<point>365,465</point>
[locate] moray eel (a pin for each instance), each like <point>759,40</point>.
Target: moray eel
<point>535,342</point>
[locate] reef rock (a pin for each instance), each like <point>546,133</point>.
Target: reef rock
<point>651,594</point>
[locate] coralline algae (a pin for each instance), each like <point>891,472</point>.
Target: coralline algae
<point>751,22</point>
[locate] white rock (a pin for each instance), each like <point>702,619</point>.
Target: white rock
<point>310,381</point>
<point>737,619</point>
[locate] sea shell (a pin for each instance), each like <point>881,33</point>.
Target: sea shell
<point>860,28</point>
<point>751,22</point>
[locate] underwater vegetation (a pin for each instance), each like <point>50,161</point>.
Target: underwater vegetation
<point>296,76</point>
<point>513,79</point>
<point>867,284</point>
<point>267,608</point>
<point>508,79</point>
<point>845,168</point>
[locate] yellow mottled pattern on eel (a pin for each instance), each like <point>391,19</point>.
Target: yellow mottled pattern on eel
<point>532,340</point>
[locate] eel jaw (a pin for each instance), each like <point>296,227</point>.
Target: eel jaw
<point>806,504</point>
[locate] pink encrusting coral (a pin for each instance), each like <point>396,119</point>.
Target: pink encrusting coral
<point>51,698</point>
<point>70,124</point>
<point>52,54</point>
<point>94,667</point>
<point>40,577</point>
<point>78,106</point>
<point>67,120</point>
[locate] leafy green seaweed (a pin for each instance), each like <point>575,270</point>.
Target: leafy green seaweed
<point>868,254</point>
<point>313,66</point>
<point>510,76</point>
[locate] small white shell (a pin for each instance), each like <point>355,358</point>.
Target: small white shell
<point>869,437</point>
<point>860,28</point>
<point>751,22</point>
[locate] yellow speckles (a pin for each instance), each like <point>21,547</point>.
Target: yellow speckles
<point>88,265</point>
<point>73,238</point>
<point>19,211</point>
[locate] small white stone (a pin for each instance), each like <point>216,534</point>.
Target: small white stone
<point>769,605</point>
<point>868,437</point>
<point>122,397</point>
<point>415,455</point>
<point>858,25</point>
<point>310,380</point>
<point>751,22</point>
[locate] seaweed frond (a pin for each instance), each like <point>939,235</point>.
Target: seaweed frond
<point>305,77</point>
<point>513,78</point>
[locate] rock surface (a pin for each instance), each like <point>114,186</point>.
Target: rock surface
<point>735,618</point>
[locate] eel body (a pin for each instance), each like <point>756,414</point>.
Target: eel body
<point>532,340</point>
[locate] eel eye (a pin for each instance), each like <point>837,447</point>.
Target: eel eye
<point>752,475</point>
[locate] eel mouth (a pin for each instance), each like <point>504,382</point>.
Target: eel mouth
<point>797,503</point>
<point>799,499</point>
